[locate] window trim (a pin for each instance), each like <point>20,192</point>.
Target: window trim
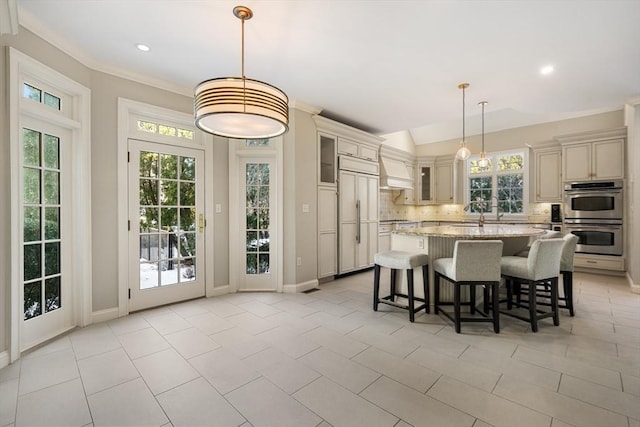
<point>494,174</point>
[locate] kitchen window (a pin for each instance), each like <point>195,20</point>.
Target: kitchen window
<point>500,187</point>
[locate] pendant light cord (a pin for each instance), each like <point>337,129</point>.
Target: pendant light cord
<point>244,79</point>
<point>463,135</point>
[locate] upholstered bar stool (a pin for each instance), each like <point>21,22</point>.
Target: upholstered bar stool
<point>401,260</point>
<point>540,267</point>
<point>566,269</point>
<point>474,263</point>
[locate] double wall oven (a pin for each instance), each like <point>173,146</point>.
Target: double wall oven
<point>593,212</point>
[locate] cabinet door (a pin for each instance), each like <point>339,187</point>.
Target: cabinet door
<point>409,193</point>
<point>327,232</point>
<point>327,159</point>
<point>347,147</point>
<point>368,153</point>
<point>576,162</point>
<point>384,242</point>
<point>347,221</point>
<point>548,179</point>
<point>444,183</point>
<point>425,184</point>
<point>608,159</point>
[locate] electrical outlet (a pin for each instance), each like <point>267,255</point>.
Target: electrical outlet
<point>420,244</point>
<point>299,261</point>
<point>305,208</point>
<point>218,208</point>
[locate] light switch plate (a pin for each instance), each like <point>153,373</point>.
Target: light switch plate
<point>218,208</point>
<point>305,208</point>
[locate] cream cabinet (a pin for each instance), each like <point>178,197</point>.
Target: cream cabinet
<point>327,159</point>
<point>593,155</point>
<point>357,220</point>
<point>548,179</point>
<point>384,237</point>
<point>444,182</point>
<point>424,183</point>
<point>360,150</point>
<point>327,232</point>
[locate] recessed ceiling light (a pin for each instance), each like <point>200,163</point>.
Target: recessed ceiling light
<point>143,47</point>
<point>546,70</point>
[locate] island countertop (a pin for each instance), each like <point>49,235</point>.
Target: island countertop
<point>489,231</point>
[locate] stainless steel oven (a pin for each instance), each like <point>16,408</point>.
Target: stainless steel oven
<point>593,200</point>
<point>601,237</point>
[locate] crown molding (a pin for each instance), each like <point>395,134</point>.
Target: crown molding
<point>9,22</point>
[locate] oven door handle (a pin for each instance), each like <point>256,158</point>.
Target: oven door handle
<point>593,226</point>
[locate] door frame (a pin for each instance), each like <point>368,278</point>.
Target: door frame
<point>238,150</point>
<point>78,121</point>
<point>129,112</point>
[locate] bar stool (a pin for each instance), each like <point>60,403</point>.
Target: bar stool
<point>400,260</point>
<point>566,269</point>
<point>542,266</point>
<point>474,263</point>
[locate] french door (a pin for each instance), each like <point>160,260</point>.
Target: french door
<point>257,202</point>
<point>166,211</point>
<point>46,294</point>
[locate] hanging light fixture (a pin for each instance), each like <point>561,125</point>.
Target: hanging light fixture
<point>483,162</point>
<point>463,152</point>
<point>238,107</point>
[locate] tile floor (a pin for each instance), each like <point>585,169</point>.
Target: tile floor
<point>326,359</point>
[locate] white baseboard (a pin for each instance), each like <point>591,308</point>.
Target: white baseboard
<point>635,288</point>
<point>104,315</point>
<point>300,287</point>
<point>4,359</point>
<point>218,290</point>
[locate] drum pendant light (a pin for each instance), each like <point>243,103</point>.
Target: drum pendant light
<point>239,107</point>
<point>463,152</point>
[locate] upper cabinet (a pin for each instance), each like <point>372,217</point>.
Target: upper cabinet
<point>425,183</point>
<point>444,181</point>
<point>327,158</point>
<point>548,170</point>
<point>348,147</point>
<point>593,155</point>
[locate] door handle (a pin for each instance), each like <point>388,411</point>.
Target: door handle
<point>358,221</point>
<point>201,223</point>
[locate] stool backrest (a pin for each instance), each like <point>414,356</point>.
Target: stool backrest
<point>477,260</point>
<point>568,251</point>
<point>543,261</point>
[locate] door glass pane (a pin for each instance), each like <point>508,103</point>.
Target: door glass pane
<point>32,299</point>
<point>32,261</point>
<point>167,219</point>
<point>31,224</point>
<point>52,299</point>
<point>31,147</point>
<point>42,250</point>
<point>257,243</point>
<point>51,151</point>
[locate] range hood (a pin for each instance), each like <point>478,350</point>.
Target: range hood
<point>394,174</point>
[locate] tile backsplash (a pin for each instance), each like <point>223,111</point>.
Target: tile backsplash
<point>538,212</point>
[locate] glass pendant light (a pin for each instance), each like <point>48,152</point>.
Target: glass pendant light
<point>463,152</point>
<point>483,162</point>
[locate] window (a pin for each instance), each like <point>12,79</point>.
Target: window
<point>499,187</point>
<point>39,95</point>
<point>164,130</point>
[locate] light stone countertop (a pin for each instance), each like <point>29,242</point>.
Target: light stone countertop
<point>489,231</point>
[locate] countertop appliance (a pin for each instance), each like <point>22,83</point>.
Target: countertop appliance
<point>593,212</point>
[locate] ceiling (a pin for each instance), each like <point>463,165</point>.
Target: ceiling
<point>383,66</point>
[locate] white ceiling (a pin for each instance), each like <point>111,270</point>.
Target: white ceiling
<point>380,65</point>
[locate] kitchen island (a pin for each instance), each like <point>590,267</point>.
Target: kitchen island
<point>438,242</point>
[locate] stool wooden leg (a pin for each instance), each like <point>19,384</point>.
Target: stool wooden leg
<point>425,285</point>
<point>485,298</point>
<point>494,302</point>
<point>554,301</point>
<point>456,305</point>
<point>412,313</point>
<point>376,286</point>
<point>533,312</point>
<point>472,299</point>
<point>567,284</point>
<point>436,292</point>
<point>509,285</point>
<point>392,287</point>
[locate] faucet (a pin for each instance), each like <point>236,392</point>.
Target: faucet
<point>497,206</point>
<point>480,203</point>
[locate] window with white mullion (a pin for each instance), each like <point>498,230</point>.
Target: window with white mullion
<point>498,187</point>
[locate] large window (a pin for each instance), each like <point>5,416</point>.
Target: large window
<point>500,186</point>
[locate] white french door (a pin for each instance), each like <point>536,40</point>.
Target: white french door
<point>166,211</point>
<point>45,209</point>
<point>258,224</point>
